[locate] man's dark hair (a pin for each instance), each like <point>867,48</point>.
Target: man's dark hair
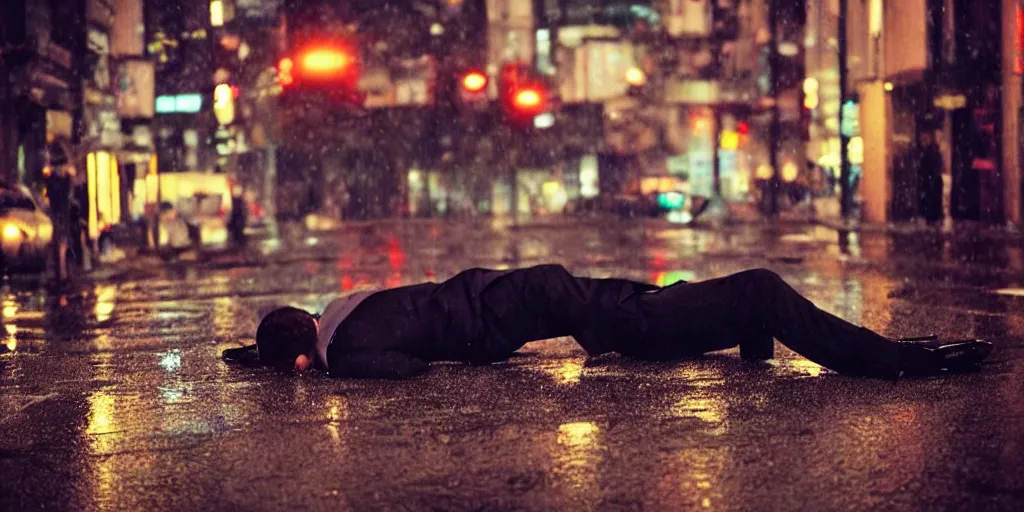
<point>283,335</point>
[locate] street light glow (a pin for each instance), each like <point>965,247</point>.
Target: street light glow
<point>790,172</point>
<point>217,13</point>
<point>636,77</point>
<point>474,82</point>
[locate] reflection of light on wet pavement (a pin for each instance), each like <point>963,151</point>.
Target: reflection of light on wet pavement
<point>101,420</point>
<point>703,401</point>
<point>103,342</point>
<point>11,341</point>
<point>170,361</point>
<point>789,364</point>
<point>175,314</point>
<point>569,372</point>
<point>577,434</point>
<point>804,366</point>
<point>101,363</point>
<point>105,295</point>
<point>174,391</point>
<point>105,435</point>
<point>337,411</point>
<point>701,376</point>
<point>172,395</point>
<point>704,470</point>
<point>578,455</point>
<point>223,319</point>
<point>10,314</point>
<point>706,408</point>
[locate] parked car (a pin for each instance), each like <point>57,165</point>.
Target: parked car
<point>671,204</point>
<point>25,230</point>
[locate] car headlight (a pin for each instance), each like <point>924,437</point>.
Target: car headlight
<point>11,232</point>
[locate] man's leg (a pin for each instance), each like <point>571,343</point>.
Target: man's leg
<point>692,318</point>
<point>547,301</point>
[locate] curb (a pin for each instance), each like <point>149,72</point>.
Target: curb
<point>967,228</point>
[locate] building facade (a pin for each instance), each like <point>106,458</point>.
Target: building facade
<point>37,86</point>
<point>943,67</point>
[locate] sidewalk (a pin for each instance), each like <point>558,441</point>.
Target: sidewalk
<point>956,229</point>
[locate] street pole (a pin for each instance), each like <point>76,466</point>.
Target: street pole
<point>776,128</point>
<point>845,194</point>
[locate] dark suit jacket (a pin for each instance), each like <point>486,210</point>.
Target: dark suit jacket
<point>481,316</point>
<point>395,332</point>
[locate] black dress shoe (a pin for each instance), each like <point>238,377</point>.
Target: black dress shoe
<point>932,356</point>
<point>246,356</point>
<point>758,348</point>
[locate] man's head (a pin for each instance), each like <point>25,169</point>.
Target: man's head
<point>286,339</point>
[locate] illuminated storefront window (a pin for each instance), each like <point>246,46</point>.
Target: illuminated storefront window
<point>104,186</point>
<point>217,13</point>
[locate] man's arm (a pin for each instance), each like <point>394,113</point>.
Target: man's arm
<point>377,364</point>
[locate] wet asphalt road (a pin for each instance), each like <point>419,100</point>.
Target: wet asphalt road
<point>112,395</point>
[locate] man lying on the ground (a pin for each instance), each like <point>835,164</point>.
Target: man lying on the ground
<point>482,316</point>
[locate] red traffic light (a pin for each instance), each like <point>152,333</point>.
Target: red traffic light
<point>474,81</point>
<point>527,99</point>
<point>320,63</point>
<point>325,61</point>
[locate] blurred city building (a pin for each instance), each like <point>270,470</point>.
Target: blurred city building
<point>76,97</point>
<point>37,85</point>
<point>377,108</point>
<point>948,67</point>
<point>182,42</point>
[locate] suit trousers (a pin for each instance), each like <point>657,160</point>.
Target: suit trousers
<point>685,319</point>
